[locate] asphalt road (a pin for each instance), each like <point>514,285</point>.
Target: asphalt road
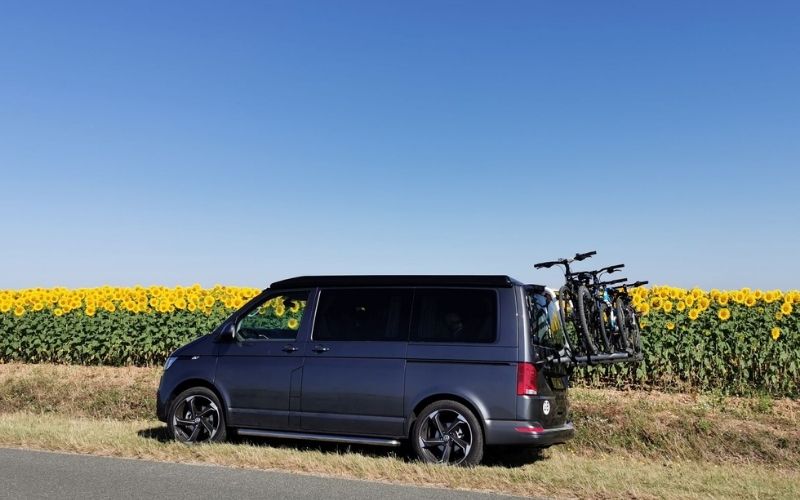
<point>37,474</point>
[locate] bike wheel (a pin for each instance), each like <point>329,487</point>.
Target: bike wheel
<point>602,328</point>
<point>622,326</point>
<point>566,308</point>
<point>587,316</point>
<point>634,333</point>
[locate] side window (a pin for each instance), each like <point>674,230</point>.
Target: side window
<point>377,314</point>
<point>277,318</point>
<point>451,315</point>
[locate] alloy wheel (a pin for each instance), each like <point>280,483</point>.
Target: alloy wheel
<point>196,419</point>
<point>445,437</point>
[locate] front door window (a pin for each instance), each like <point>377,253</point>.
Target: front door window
<point>277,318</point>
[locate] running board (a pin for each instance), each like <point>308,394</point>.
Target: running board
<point>319,437</point>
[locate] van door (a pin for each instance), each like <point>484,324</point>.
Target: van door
<point>259,373</point>
<point>355,361</point>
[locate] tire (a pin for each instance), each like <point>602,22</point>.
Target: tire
<point>196,416</point>
<point>587,318</point>
<point>569,322</point>
<point>622,326</point>
<point>447,432</point>
<point>634,333</point>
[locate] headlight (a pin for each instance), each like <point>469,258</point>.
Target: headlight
<point>169,362</point>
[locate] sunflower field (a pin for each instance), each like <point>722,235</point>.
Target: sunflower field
<point>737,342</point>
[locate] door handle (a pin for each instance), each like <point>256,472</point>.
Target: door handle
<point>289,348</point>
<point>320,348</point>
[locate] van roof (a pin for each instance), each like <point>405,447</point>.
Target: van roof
<point>398,280</point>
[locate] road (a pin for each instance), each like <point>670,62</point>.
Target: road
<point>37,474</point>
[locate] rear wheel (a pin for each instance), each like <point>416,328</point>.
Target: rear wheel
<point>569,322</point>
<point>588,317</point>
<point>447,432</point>
<point>634,333</point>
<point>622,326</point>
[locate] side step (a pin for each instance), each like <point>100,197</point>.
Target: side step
<point>319,437</point>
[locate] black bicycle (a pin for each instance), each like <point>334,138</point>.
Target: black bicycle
<point>577,325</point>
<point>627,317</point>
<point>595,303</point>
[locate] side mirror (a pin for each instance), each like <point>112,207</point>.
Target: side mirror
<point>228,332</point>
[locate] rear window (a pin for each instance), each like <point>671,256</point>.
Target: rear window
<point>545,320</point>
<point>453,315</point>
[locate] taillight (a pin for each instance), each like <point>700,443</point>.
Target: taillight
<point>526,379</point>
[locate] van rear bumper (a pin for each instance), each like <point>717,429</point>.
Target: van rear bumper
<point>511,432</point>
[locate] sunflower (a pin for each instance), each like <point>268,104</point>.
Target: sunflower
<point>724,314</point>
<point>644,308</point>
<point>293,324</point>
<point>723,299</point>
<point>667,306</point>
<point>693,314</point>
<point>750,301</point>
<point>703,303</point>
<point>776,332</point>
<point>680,306</point>
<point>19,311</point>
<point>670,325</point>
<point>786,308</point>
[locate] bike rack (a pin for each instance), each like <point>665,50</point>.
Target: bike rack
<point>607,359</point>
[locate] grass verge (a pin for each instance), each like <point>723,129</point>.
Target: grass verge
<point>650,425</point>
<point>632,443</point>
<point>559,473</point>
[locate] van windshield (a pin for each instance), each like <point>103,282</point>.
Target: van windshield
<point>546,328</point>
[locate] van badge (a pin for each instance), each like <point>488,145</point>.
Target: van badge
<point>546,407</point>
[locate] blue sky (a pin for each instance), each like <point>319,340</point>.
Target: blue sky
<point>213,142</point>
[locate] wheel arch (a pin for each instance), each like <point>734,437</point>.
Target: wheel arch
<point>198,382</point>
<point>422,403</point>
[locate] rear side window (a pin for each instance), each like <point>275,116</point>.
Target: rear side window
<point>448,315</point>
<point>376,314</point>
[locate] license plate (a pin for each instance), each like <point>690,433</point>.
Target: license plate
<point>557,383</point>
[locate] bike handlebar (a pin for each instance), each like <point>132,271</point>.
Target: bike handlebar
<point>614,282</point>
<point>638,283</point>
<point>611,269</point>
<point>583,256</point>
<point>544,265</point>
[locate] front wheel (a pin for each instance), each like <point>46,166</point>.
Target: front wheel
<point>195,416</point>
<point>447,432</point>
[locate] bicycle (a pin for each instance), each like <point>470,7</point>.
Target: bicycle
<point>595,303</point>
<point>627,317</point>
<point>579,336</point>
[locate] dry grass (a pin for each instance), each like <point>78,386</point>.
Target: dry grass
<point>710,428</point>
<point>560,473</point>
<point>630,444</point>
<point>80,391</point>
<point>643,425</point>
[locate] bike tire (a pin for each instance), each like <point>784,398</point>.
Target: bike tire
<point>585,312</point>
<point>566,309</point>
<point>634,332</point>
<point>622,325</point>
<point>602,335</point>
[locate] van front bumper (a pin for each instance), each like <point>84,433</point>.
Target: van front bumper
<point>520,432</point>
